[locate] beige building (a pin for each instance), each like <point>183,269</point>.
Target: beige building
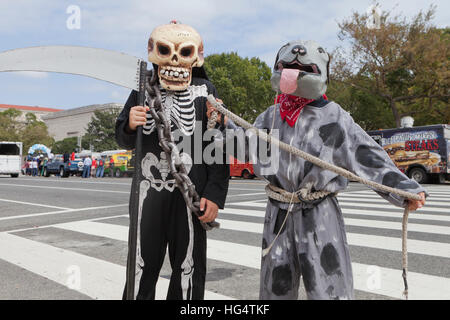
<point>73,122</point>
<point>39,112</point>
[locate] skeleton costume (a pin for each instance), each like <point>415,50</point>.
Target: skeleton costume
<point>308,239</point>
<point>176,52</point>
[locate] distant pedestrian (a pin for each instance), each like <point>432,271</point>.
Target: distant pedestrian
<point>111,166</point>
<point>87,167</point>
<point>94,167</point>
<point>34,170</point>
<point>44,163</point>
<point>66,157</point>
<point>28,167</point>
<point>101,168</point>
<point>72,156</point>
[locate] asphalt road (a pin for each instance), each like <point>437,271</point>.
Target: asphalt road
<point>66,239</point>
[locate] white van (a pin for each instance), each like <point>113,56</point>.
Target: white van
<point>10,158</point>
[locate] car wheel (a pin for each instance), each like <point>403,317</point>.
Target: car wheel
<point>439,178</point>
<point>14,175</point>
<point>46,173</point>
<point>419,175</point>
<point>62,173</point>
<point>246,174</point>
<point>118,173</point>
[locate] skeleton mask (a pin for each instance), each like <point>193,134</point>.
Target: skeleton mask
<point>176,49</point>
<point>301,69</point>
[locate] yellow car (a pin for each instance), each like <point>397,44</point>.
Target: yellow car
<point>123,165</point>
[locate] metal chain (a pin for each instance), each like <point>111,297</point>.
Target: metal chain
<point>166,141</point>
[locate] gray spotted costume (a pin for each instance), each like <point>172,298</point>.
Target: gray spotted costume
<point>312,243</point>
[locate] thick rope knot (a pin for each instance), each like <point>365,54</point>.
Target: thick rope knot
<point>302,195</point>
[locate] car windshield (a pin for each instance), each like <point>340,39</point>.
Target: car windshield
<point>9,149</point>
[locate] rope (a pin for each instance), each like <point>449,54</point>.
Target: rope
<point>328,166</point>
<point>282,195</point>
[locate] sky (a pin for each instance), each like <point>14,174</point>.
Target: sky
<point>249,27</point>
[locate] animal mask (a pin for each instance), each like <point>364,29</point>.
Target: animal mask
<point>301,69</point>
<point>176,49</point>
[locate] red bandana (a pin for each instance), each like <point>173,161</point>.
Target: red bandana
<point>290,107</point>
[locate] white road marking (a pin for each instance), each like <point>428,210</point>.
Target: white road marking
<point>34,204</point>
<point>425,286</point>
<point>75,181</point>
<point>345,203</point>
<point>62,211</point>
<point>245,194</point>
<point>372,204</point>
<point>351,195</point>
<point>65,189</point>
<point>99,279</point>
<point>364,212</point>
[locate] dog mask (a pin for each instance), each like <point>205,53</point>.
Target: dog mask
<point>301,69</point>
<point>176,49</point>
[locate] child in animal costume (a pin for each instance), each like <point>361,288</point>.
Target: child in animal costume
<point>176,51</point>
<point>305,237</point>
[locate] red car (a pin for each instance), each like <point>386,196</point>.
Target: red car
<point>239,169</point>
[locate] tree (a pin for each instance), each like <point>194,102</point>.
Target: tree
<point>9,125</point>
<point>100,132</point>
<point>30,132</point>
<point>369,111</point>
<point>404,64</point>
<point>34,132</point>
<point>66,145</point>
<point>242,83</point>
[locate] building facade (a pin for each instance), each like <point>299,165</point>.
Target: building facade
<point>39,112</point>
<point>73,122</point>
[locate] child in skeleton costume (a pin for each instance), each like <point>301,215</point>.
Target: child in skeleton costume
<point>307,238</point>
<point>176,52</point>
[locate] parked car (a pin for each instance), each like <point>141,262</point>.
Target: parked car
<point>10,158</point>
<point>57,166</point>
<point>76,167</point>
<point>240,169</point>
<point>123,165</point>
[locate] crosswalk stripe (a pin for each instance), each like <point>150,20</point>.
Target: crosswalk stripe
<point>34,204</point>
<point>375,196</point>
<point>346,204</point>
<point>354,239</point>
<point>249,256</point>
<point>379,242</point>
<point>412,227</point>
<point>430,191</point>
<point>412,217</point>
<point>388,214</point>
<point>99,279</point>
<point>61,212</point>
<point>372,204</point>
<point>368,200</point>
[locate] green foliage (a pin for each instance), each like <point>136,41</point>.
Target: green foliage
<point>369,111</point>
<point>242,83</point>
<point>30,132</point>
<point>100,132</point>
<point>66,145</point>
<point>403,64</point>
